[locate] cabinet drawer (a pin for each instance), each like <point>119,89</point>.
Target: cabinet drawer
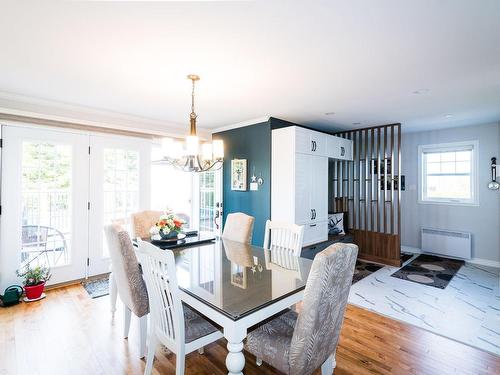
<point>315,232</point>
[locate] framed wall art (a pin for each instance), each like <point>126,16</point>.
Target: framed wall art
<point>239,174</point>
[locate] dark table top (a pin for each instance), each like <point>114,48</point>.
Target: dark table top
<point>199,239</point>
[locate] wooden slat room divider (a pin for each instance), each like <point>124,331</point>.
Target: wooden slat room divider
<point>368,188</point>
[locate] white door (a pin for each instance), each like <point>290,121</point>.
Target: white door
<point>303,186</point>
<point>319,187</point>
<point>208,201</point>
<point>44,203</point>
<point>119,185</point>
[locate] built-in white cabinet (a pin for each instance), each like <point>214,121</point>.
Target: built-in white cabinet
<point>299,178</point>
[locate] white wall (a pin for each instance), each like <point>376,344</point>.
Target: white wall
<point>483,221</point>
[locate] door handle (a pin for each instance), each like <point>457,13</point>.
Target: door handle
<point>215,219</point>
<point>312,146</point>
<point>342,151</point>
<point>312,214</point>
<point>218,212</point>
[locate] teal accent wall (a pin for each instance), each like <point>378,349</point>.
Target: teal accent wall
<point>252,143</point>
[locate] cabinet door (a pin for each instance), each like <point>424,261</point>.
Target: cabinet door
<point>333,147</point>
<point>346,149</point>
<point>310,142</point>
<point>319,188</point>
<point>303,186</point>
<point>303,142</point>
<point>318,143</point>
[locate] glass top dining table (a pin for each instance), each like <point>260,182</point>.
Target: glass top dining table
<point>238,279</point>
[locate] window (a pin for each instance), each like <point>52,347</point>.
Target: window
<point>120,188</point>
<point>170,188</point>
<point>448,173</point>
<point>46,203</point>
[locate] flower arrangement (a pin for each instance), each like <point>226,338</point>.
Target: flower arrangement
<point>34,276</point>
<point>168,226</point>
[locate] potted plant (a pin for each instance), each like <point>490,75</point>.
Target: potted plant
<point>168,226</point>
<point>34,280</point>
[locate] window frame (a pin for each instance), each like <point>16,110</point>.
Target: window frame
<point>474,175</point>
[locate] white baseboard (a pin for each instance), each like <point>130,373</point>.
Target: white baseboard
<point>480,261</point>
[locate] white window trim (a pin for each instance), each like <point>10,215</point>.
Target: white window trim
<point>474,173</point>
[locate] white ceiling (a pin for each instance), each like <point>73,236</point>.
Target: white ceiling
<point>362,60</point>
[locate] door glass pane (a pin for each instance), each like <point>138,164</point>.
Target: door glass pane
<point>207,201</point>
<point>171,189</point>
<point>46,203</point>
<point>121,187</point>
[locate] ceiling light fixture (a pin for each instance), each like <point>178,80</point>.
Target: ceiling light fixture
<point>448,116</point>
<point>421,91</point>
<point>329,113</point>
<point>186,155</point>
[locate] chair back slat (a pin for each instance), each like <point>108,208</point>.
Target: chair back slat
<point>167,314</point>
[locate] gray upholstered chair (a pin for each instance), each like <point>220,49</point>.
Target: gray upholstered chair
<point>126,277</point>
<point>238,227</point>
<point>300,343</point>
<point>143,221</point>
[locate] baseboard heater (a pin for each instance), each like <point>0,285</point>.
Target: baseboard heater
<point>447,243</point>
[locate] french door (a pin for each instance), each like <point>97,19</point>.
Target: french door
<point>44,203</point>
<point>119,185</point>
<point>59,188</point>
<point>208,201</point>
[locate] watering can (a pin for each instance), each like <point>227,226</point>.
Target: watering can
<point>11,296</point>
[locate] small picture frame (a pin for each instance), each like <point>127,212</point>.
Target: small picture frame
<point>239,174</point>
<point>238,275</point>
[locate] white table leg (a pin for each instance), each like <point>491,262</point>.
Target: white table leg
<point>235,360</point>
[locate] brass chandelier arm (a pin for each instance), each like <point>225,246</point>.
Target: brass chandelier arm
<point>191,160</point>
<point>191,164</point>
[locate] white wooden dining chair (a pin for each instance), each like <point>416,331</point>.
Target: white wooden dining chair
<point>282,237</point>
<point>172,324</point>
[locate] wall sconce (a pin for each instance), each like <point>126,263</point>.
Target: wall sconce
<point>493,185</point>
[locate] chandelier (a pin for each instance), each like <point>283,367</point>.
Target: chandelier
<point>189,155</point>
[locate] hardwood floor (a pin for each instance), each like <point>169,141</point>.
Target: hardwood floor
<point>70,333</point>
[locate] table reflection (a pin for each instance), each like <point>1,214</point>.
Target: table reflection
<point>238,278</point>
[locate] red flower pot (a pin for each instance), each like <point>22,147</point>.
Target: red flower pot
<point>34,291</point>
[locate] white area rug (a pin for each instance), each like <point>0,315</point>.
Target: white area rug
<point>468,310</point>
